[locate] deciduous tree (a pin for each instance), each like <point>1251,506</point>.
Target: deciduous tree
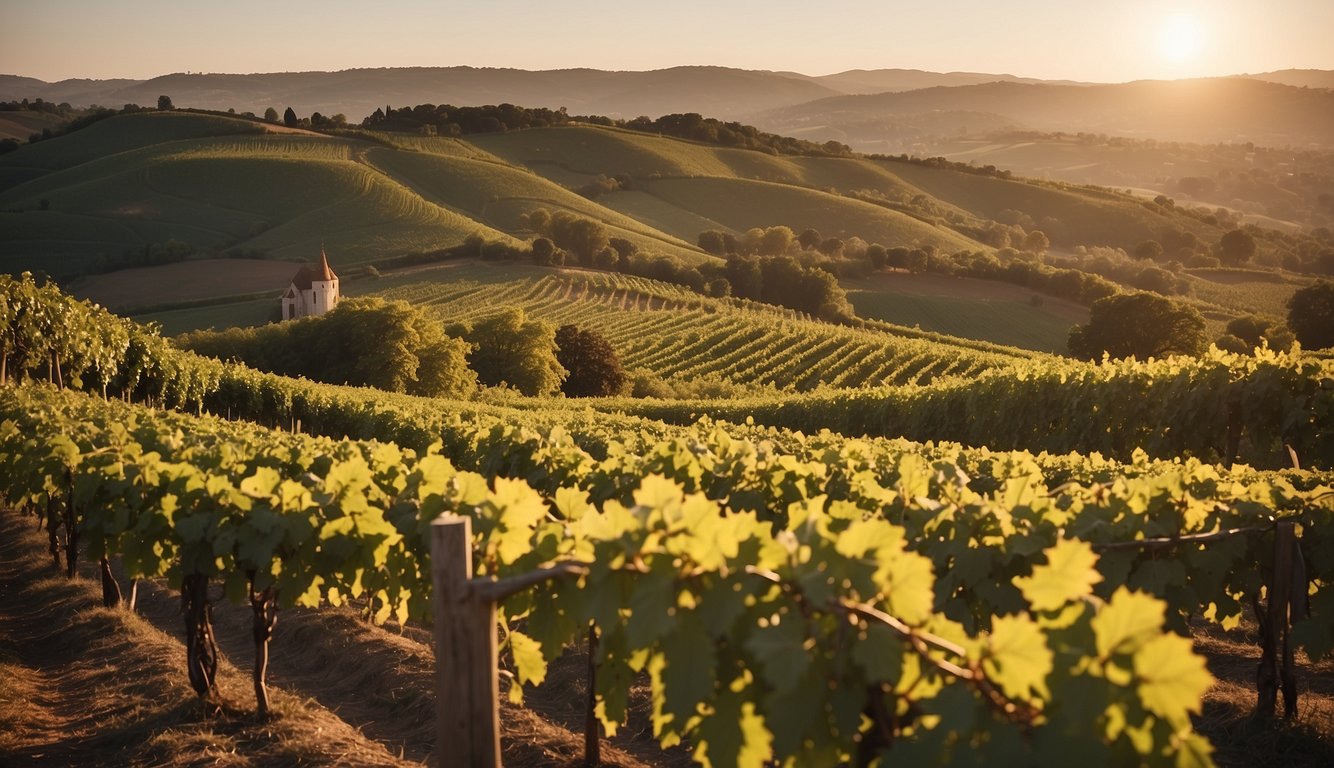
<point>1311,315</point>
<point>593,365</point>
<point>1140,325</point>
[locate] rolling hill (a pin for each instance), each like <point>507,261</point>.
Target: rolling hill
<point>1204,111</point>
<point>358,92</point>
<point>226,185</point>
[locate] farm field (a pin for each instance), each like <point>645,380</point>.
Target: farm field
<point>972,309</point>
<point>184,282</point>
<point>739,473</point>
<point>674,334</point>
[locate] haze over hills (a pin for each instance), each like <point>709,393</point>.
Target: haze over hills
<point>1233,110</point>
<point>861,107</point>
<point>717,91</point>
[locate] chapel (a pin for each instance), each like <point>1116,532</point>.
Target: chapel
<point>314,291</point>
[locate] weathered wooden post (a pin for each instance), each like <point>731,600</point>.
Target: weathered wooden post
<point>467,690</point>
<point>1276,662</point>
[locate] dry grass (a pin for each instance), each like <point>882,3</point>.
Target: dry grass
<point>88,685</point>
<point>1240,739</point>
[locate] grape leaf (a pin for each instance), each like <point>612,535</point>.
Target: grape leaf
<point>1069,574</point>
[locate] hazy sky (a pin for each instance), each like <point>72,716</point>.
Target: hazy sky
<point>1099,40</point>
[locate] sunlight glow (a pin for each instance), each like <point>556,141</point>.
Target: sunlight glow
<point>1180,38</point>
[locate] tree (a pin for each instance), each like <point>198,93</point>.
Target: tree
<point>1311,315</point>
<point>1247,332</point>
<point>1037,242</point>
<point>809,238</point>
<point>164,103</point>
<point>271,115</point>
<point>831,246</point>
<point>390,345</point>
<point>543,251</point>
<point>595,368</point>
<point>508,348</point>
<point>289,118</point>
<point>775,241</point>
<point>1149,250</point>
<point>877,256</point>
<point>1236,248</point>
<point>1140,325</point>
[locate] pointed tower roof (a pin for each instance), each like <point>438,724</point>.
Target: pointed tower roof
<point>323,271</point>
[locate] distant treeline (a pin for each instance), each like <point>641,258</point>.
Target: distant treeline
<point>449,120</point>
<point>82,118</point>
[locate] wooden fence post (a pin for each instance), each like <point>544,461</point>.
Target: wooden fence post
<point>467,690</point>
<point>1276,662</point>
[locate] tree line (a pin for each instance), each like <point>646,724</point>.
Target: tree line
<point>394,346</point>
<point>450,120</point>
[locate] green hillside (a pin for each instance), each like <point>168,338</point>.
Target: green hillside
<point>685,187</point>
<point>670,333</point>
<point>223,184</point>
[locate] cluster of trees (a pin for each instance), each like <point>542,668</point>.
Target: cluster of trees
<point>941,162</point>
<point>396,347</point>
<point>696,127</point>
<point>315,121</point>
<point>81,119</point>
<point>1144,325</point>
<point>388,345</point>
<point>1139,325</point>
<point>449,120</point>
<point>1311,315</point>
<point>1244,334</point>
<point>785,281</point>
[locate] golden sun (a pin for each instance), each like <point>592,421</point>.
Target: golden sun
<point>1180,38</point>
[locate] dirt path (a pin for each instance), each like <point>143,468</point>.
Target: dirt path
<point>79,683</point>
<point>85,685</point>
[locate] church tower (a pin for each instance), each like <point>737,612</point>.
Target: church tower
<point>324,287</point>
<point>314,291</point>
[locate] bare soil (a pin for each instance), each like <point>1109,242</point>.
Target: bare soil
<point>186,281</point>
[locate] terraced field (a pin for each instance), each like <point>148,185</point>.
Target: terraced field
<point>674,334</point>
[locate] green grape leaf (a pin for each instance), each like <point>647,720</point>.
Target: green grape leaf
<point>1194,751</point>
<point>529,662</point>
<point>909,587</point>
<point>783,650</point>
<point>1172,678</point>
<point>1127,621</point>
<point>1069,574</point>
<point>1019,657</point>
<point>733,734</point>
<point>687,673</point>
<point>880,653</point>
<point>261,485</point>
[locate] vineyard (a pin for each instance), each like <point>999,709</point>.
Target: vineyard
<point>675,334</point>
<point>809,598</point>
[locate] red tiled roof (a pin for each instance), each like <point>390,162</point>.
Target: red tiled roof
<point>308,274</point>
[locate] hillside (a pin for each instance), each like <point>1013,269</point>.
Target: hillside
<point>1203,111</point>
<point>358,92</point>
<point>221,184</point>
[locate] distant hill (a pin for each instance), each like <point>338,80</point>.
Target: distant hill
<point>716,91</point>
<point>93,198</point>
<point>1203,111</point>
<point>1302,78</point>
<point>864,81</point>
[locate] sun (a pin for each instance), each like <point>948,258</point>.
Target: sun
<point>1180,38</point>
